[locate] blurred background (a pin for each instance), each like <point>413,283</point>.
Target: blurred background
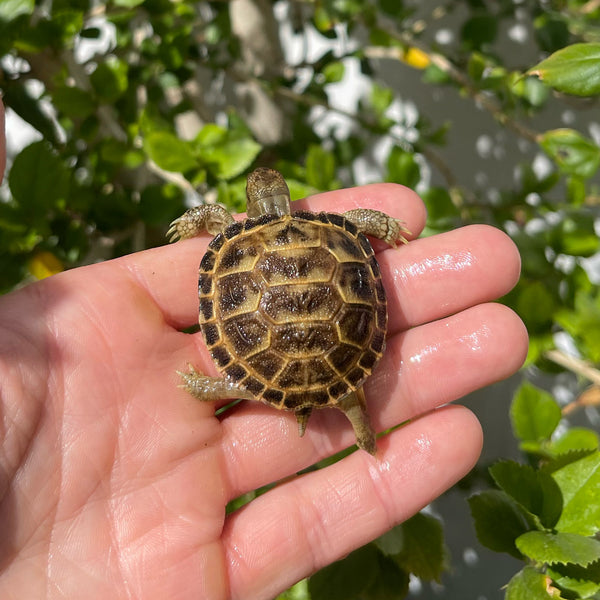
<point>122,113</point>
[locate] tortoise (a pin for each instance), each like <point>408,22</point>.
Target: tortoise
<point>292,306</point>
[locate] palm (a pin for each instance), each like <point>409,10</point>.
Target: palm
<point>117,481</point>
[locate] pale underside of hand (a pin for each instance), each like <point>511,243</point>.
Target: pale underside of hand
<point>115,481</point>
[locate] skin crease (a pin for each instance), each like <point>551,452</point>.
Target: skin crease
<point>114,481</point>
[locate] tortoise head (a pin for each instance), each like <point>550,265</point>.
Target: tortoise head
<point>267,193</point>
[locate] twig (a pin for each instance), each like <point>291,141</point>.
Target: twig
<point>171,177</point>
<point>575,365</point>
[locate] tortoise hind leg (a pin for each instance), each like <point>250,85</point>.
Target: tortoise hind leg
<point>208,389</point>
<point>354,407</point>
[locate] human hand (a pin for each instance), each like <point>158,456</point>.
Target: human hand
<point>115,481</point>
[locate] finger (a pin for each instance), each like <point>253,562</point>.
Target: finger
<point>421,369</point>
<point>170,273</point>
<point>305,524</point>
<point>440,275</point>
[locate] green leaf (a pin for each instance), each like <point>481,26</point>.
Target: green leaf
<point>476,66</point>
<point>583,322</point>
<point>299,189</point>
<point>403,168</point>
<point>19,97</point>
<point>334,72</point>
<point>366,574</point>
<point>296,592</point>
<point>576,438</point>
<point>320,168</point>
<point>11,9</point>
<point>573,153</point>
<point>572,70</point>
<point>435,75</point>
<point>66,24</point>
<point>227,154</point>
<point>536,305</point>
<point>347,578</point>
<point>160,204</point>
<point>562,460</point>
<point>381,98</point>
<point>575,234</point>
<point>392,541</point>
<point>127,3</point>
<point>479,30</point>
<point>530,584</point>
<point>576,192</point>
<point>498,521</point>
<point>564,548</point>
<point>580,486</point>
<point>73,102</point>
<point>442,213</point>
<point>534,91</point>
<point>535,491</point>
<point>110,80</point>
<point>37,179</point>
<point>534,414</point>
<point>584,581</point>
<point>551,33</point>
<point>391,582</point>
<point>424,553</point>
<point>169,152</point>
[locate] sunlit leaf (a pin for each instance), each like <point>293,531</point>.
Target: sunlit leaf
<point>573,153</point>
<point>169,152</point>
<point>564,548</point>
<point>530,584</point>
<point>534,413</point>
<point>580,486</point>
<point>573,70</point>
<point>534,490</point>
<point>11,9</point>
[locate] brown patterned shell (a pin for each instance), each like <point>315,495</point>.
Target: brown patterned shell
<point>293,308</point>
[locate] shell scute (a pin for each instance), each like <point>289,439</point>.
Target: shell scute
<point>238,293</point>
<point>356,283</point>
<point>356,325</point>
<point>284,304</point>
<point>236,372</point>
<point>266,364</point>
<point>234,229</point>
<point>247,335</point>
<point>302,339</point>
<point>208,260</point>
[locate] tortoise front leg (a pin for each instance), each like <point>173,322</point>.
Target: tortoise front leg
<point>354,407</point>
<point>194,221</point>
<point>378,224</point>
<point>208,389</point>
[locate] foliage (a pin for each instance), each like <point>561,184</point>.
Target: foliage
<point>142,106</point>
<point>546,513</point>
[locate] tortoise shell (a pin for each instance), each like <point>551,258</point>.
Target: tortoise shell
<point>292,308</point>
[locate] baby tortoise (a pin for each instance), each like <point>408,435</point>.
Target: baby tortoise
<point>292,307</point>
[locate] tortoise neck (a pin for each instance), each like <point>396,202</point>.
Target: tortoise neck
<point>278,204</point>
<point>267,193</point>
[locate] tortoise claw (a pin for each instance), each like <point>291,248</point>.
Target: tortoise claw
<point>173,234</point>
